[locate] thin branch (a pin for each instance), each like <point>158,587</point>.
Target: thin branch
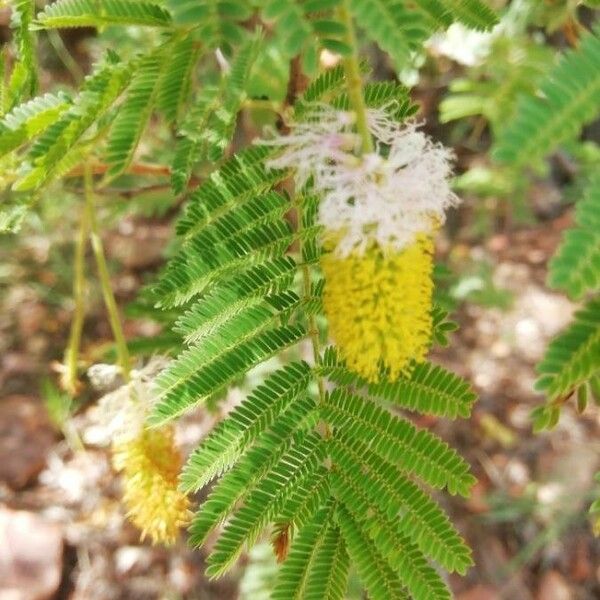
<point>134,169</point>
<point>129,193</point>
<point>296,85</point>
<point>354,79</point>
<point>313,329</point>
<point>104,276</point>
<point>70,381</point>
<point>258,104</point>
<point>65,56</point>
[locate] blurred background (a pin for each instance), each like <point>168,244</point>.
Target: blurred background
<point>63,534</point>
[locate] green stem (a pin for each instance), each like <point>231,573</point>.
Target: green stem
<point>313,329</point>
<point>65,56</point>
<point>354,79</point>
<point>104,276</point>
<point>270,105</point>
<point>72,350</point>
<point>72,436</point>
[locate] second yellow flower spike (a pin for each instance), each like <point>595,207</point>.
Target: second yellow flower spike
<point>150,466</point>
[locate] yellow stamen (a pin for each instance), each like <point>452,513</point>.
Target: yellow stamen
<point>150,466</point>
<point>379,307</point>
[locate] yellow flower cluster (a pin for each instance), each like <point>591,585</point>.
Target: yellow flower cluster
<point>379,307</point>
<point>150,466</point>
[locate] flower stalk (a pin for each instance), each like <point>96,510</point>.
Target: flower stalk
<point>354,80</point>
<point>104,277</point>
<point>70,377</point>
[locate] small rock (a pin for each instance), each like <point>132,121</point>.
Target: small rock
<point>517,473</point>
<point>184,575</point>
<point>554,587</point>
<point>130,560</point>
<point>30,556</point>
<point>25,439</point>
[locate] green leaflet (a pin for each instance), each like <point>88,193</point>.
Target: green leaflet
<point>228,299</point>
<point>29,119</point>
<point>576,266</point>
<point>398,441</point>
<point>327,83</point>
<point>384,93</point>
<point>89,13</point>
<point>192,270</point>
<point>23,80</point>
<point>218,22</point>
<point>417,516</point>
<point>574,356</point>
<point>568,100</point>
<point>413,572</point>
<point>183,385</point>
<point>207,130</point>
<point>429,389</point>
<point>263,502</point>
<point>379,578</point>
<point>295,572</point>
<point>286,431</point>
<point>294,27</point>
<point>328,577</point>
<point>472,13</point>
<point>234,435</point>
<point>241,177</point>
<point>175,83</point>
<point>62,145</point>
<point>305,26</point>
<point>133,115</point>
<point>306,500</point>
<point>397,29</point>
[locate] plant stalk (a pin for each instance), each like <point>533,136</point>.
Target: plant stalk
<point>354,79</point>
<point>306,292</point>
<point>70,381</point>
<point>104,277</point>
<point>65,56</point>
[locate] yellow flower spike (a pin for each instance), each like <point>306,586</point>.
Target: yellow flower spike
<point>378,306</point>
<point>150,467</point>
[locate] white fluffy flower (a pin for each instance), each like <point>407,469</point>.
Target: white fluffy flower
<point>325,136</point>
<point>104,376</point>
<point>388,196</point>
<point>464,45</point>
<point>119,416</point>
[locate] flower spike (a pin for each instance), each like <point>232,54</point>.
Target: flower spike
<point>379,212</point>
